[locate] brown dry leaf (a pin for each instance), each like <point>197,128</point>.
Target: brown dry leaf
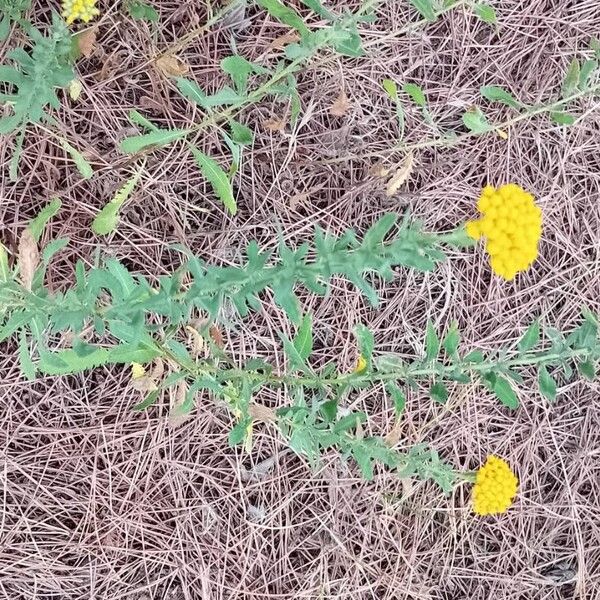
<point>280,42</point>
<point>145,383</point>
<point>341,105</point>
<point>28,258</point>
<point>401,175</point>
<point>274,124</point>
<point>178,414</point>
<point>379,170</point>
<point>260,412</point>
<point>171,66</point>
<point>86,41</point>
<point>393,437</point>
<point>217,336</point>
<point>302,197</point>
<point>195,341</point>
<point>158,370</point>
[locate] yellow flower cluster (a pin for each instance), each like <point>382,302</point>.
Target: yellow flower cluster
<point>79,9</point>
<point>495,487</point>
<point>512,226</point>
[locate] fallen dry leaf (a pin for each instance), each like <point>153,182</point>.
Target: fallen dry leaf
<point>274,124</point>
<point>195,341</point>
<point>379,170</point>
<point>260,412</point>
<point>280,42</point>
<point>144,384</point>
<point>171,66</point>
<point>28,258</point>
<point>86,41</point>
<point>341,105</point>
<point>401,175</point>
<point>393,437</point>
<point>179,413</point>
<point>217,336</point>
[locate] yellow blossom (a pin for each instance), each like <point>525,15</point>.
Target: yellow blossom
<point>495,487</point>
<point>361,364</point>
<point>137,371</point>
<point>511,225</point>
<point>84,10</point>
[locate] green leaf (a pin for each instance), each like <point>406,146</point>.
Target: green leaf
<point>432,343</point>
<point>350,421</point>
<point>141,11</point>
<point>439,393</point>
<point>318,8</point>
<point>238,434</point>
<point>284,14</point>
<point>240,134</point>
<point>397,396</point>
<point>364,462</point>
<point>192,91</point>
<point>505,393</point>
<point>530,338</point>
<point>452,340</point>
<point>107,220</point>
<point>475,121</point>
<point>303,342</point>
<point>495,93</point>
<point>486,13</point>
<point>4,27</point>
<point>147,402</point>
<point>571,80</point>
<point>26,364</point>
<point>224,97</point>
<point>426,8</point>
<point>587,69</point>
<point>366,342</point>
<point>217,178</point>
<point>52,248</point>
<point>5,274</point>
<point>391,88</point>
<point>37,225</point>
<point>162,137</point>
<point>240,69</point>
<point>350,46</point>
<point>83,166</point>
<point>547,384</point>
<point>474,357</point>
<point>595,47</point>
<point>417,95</point>
<point>136,118</point>
<point>562,118</point>
<point>588,370</point>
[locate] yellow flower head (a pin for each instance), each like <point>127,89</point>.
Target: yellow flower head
<point>361,365</point>
<point>495,487</point>
<point>137,370</point>
<point>79,9</point>
<point>512,226</point>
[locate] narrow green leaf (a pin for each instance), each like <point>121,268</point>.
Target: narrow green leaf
<point>350,421</point>
<point>452,340</point>
<point>595,47</point>
<point>439,393</point>
<point>398,397</point>
<point>107,220</point>
<point>303,342</point>
<point>530,338</point>
<point>318,8</point>
<point>486,13</point>
<point>364,462</point>
<point>284,14</point>
<point>505,393</point>
<point>26,364</point>
<point>475,121</point>
<point>432,343</point>
<point>474,357</point>
<point>136,118</point>
<point>141,11</point>
<point>240,133</point>
<point>238,434</point>
<point>83,166</point>
<point>426,8</point>
<point>366,342</point>
<point>148,401</point>
<point>192,91</point>
<point>217,178</point>
<point>547,384</point>
<point>416,93</point>
<point>571,80</point>
<point>162,137</point>
<point>495,93</point>
<point>563,118</point>
<point>5,274</point>
<point>391,88</point>
<point>52,248</point>
<point>587,69</point>
<point>588,370</point>
<point>4,27</point>
<point>38,223</point>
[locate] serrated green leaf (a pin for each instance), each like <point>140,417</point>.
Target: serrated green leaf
<point>474,357</point>
<point>83,166</point>
<point>571,80</point>
<point>240,69</point>
<point>25,362</point>
<point>217,177</point>
<point>530,338</point>
<point>107,220</point>
<point>136,118</point>
<point>417,95</point>
<point>366,342</point>
<point>547,384</point>
<point>562,118</point>
<point>284,14</point>
<point>162,137</point>
<point>141,11</point>
<point>588,370</point>
<point>349,422</point>
<point>238,434</point>
<point>241,134</point>
<point>38,223</point>
<point>475,121</point>
<point>52,248</point>
<point>350,46</point>
<point>505,393</point>
<point>391,88</point>
<point>587,69</point>
<point>398,397</point>
<point>318,8</point>
<point>303,342</point>
<point>486,13</point>
<point>148,401</point>
<point>426,8</point>
<point>452,340</point>
<point>364,461</point>
<point>439,393</point>
<point>495,93</point>
<point>432,342</point>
